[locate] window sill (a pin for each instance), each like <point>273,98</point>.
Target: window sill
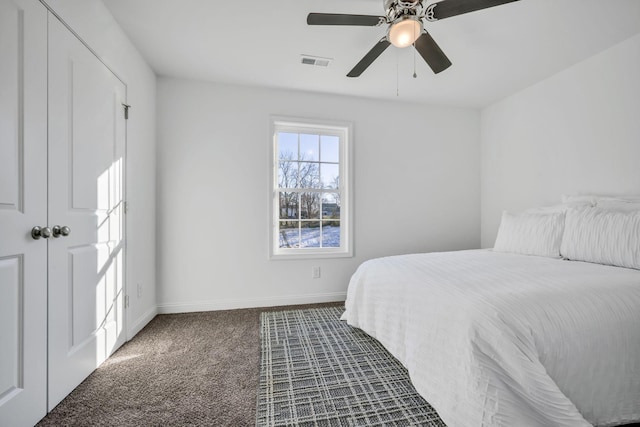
<point>310,255</point>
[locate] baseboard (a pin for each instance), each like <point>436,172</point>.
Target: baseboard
<point>142,321</point>
<point>230,304</point>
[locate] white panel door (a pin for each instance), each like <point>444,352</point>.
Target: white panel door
<point>23,205</point>
<point>86,181</point>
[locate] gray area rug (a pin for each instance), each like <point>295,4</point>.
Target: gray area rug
<point>316,370</point>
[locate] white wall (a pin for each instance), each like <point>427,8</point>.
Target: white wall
<point>95,25</point>
<point>576,132</point>
<point>416,189</point>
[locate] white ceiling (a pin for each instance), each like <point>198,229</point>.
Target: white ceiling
<point>495,52</point>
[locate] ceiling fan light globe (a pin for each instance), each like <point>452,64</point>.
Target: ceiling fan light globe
<point>404,33</point>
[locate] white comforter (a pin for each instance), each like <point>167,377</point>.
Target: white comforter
<point>494,339</point>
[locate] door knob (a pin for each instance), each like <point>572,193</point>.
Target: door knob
<point>60,231</point>
<point>38,232</point>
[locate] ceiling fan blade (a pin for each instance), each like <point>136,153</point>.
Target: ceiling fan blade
<point>369,58</point>
<point>448,8</point>
<point>431,52</point>
<point>342,19</point>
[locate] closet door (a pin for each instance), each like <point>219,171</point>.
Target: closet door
<point>86,181</point>
<point>23,205</point>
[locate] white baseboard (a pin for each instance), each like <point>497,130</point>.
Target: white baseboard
<point>142,321</point>
<point>231,304</point>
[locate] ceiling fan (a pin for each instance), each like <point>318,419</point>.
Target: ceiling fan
<point>406,28</point>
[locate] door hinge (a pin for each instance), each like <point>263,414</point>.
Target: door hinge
<point>126,111</point>
<point>126,207</point>
<point>126,301</point>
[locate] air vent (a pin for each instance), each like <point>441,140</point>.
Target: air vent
<point>315,60</point>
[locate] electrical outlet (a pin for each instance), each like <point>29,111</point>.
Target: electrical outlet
<point>139,290</point>
<point>315,272</point>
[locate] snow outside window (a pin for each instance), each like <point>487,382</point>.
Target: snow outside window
<point>310,181</point>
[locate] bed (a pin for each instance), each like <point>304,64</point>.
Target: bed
<point>495,338</point>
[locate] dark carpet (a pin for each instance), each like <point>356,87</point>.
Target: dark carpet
<point>319,371</point>
<point>192,369</point>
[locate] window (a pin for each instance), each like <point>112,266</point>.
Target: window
<point>310,181</point>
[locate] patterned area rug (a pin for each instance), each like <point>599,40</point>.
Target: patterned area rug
<point>318,371</point>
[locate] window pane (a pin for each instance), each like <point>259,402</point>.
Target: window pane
<point>309,146</point>
<point>289,234</point>
<point>331,206</point>
<point>288,174</point>
<point>288,205</point>
<point>330,148</point>
<point>310,206</point>
<point>287,146</point>
<point>309,175</point>
<point>310,234</point>
<point>330,175</point>
<point>331,234</point>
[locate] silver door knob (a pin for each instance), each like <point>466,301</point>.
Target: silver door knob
<point>60,231</point>
<point>38,232</point>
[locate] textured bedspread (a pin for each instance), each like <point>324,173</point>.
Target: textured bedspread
<point>494,339</point>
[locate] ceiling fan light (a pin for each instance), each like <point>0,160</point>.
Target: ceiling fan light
<point>404,32</point>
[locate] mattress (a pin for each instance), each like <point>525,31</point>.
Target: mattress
<point>498,339</point>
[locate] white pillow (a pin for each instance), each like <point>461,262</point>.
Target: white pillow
<point>561,208</point>
<point>621,203</point>
<point>584,199</point>
<point>567,203</point>
<point>618,204</point>
<point>602,236</point>
<point>531,233</point>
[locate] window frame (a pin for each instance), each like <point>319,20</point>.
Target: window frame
<point>344,130</point>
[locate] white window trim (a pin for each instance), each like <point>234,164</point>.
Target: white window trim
<point>346,189</point>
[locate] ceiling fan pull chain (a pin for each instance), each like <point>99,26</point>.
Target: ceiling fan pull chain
<point>397,74</point>
<point>415,37</point>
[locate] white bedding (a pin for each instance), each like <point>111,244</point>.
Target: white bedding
<point>497,339</point>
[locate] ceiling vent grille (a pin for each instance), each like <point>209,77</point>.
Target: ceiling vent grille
<point>315,60</point>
